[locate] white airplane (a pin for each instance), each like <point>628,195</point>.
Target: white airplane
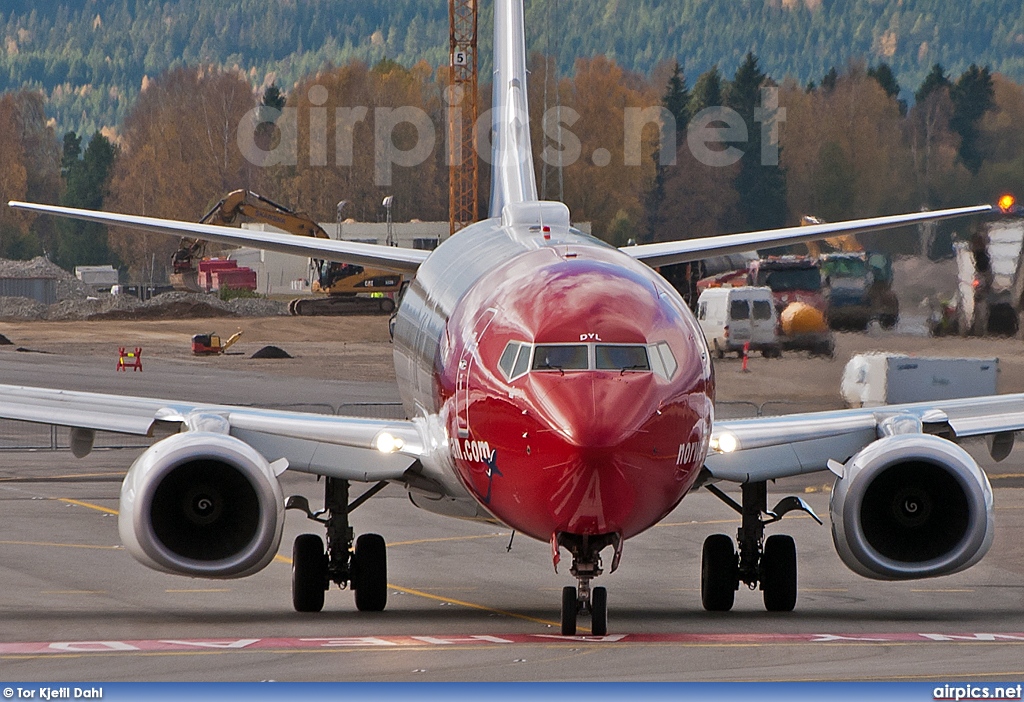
<point>553,384</point>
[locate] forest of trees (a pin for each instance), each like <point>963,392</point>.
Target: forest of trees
<point>91,57</point>
<point>848,146</point>
<point>851,141</point>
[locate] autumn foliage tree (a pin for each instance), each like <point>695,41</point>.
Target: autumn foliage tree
<point>30,170</point>
<point>364,133</point>
<point>179,155</point>
<point>843,149</point>
<point>608,156</point>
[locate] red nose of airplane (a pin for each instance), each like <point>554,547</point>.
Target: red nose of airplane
<point>583,402</point>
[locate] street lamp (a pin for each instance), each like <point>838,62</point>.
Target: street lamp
<point>387,202</point>
<point>341,206</point>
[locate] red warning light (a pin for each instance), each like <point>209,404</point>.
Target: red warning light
<point>1006,203</point>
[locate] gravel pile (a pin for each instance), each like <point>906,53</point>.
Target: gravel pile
<point>176,305</point>
<point>68,286</point>
<point>75,302</point>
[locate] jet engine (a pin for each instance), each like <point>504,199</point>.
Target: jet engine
<point>202,504</point>
<point>911,506</point>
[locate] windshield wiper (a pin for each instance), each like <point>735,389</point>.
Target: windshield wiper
<point>548,366</point>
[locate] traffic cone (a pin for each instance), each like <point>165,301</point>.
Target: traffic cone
<point>746,356</point>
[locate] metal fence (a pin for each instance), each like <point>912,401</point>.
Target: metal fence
<point>26,436</point>
<point>769,408</point>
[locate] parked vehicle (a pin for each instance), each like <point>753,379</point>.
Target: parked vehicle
<point>733,317</point>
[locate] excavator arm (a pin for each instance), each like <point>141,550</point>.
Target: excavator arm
<point>345,286</point>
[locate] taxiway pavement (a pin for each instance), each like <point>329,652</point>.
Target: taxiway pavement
<point>462,606</point>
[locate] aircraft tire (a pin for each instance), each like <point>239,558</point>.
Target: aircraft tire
<point>370,579</point>
<point>778,573</point>
<point>599,611</point>
<point>570,608</point>
<point>718,573</point>
<point>309,573</point>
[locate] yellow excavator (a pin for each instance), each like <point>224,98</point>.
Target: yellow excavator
<point>342,288</point>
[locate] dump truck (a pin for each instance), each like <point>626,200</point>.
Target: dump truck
<point>339,288</point>
<point>859,287</point>
<point>858,283</point>
<point>799,299</point>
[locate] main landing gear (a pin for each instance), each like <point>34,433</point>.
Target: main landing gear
<point>363,567</point>
<point>586,565</point>
<point>769,563</point>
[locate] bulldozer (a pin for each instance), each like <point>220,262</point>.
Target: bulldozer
<point>341,288</point>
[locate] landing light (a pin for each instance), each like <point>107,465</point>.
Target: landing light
<point>386,443</point>
<point>725,443</point>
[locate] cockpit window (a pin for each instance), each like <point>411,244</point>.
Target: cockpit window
<point>663,363</point>
<point>516,358</point>
<point>621,358</point>
<point>522,362</point>
<point>508,358</point>
<point>561,358</point>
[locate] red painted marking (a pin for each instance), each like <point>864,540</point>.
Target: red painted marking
<point>349,642</point>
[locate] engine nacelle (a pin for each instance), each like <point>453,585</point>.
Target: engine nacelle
<point>911,506</point>
<point>202,504</point>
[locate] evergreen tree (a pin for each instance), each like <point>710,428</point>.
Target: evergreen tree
<point>707,91</point>
<point>85,179</point>
<point>935,80</point>
<point>829,81</point>
<point>71,154</point>
<point>885,78</point>
<point>677,99</point>
<point>273,97</point>
<point>884,75</point>
<point>972,96</point>
<point>761,186</point>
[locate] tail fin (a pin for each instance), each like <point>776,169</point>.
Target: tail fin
<point>512,177</point>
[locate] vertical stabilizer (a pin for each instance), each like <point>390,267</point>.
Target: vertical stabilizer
<point>512,176</point>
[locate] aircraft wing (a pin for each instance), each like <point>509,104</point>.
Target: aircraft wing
<point>388,257</point>
<point>351,448</point>
<point>767,448</point>
<point>668,252</point>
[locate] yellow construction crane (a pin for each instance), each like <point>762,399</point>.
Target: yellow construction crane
<point>462,115</point>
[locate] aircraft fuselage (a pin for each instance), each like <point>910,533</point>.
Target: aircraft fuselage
<point>573,384</point>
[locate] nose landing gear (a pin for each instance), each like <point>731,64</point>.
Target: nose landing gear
<point>586,565</point>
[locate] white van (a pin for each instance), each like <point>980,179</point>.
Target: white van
<point>731,317</point>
